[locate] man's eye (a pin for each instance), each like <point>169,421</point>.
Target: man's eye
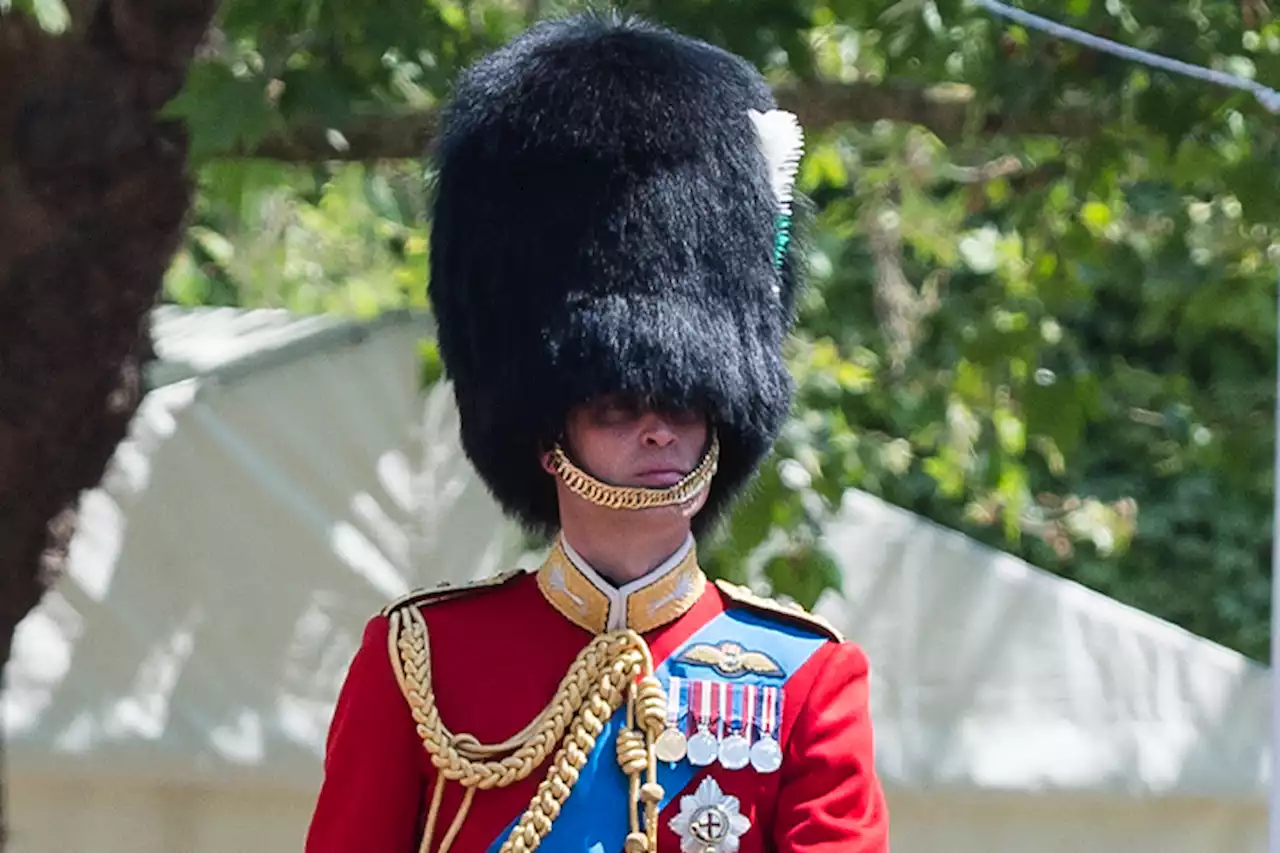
<point>608,412</point>
<point>618,414</point>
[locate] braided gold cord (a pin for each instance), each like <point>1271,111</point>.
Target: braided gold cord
<point>614,668</point>
<point>602,494</point>
<point>651,712</point>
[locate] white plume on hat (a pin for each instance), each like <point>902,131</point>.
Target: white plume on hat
<point>782,144</point>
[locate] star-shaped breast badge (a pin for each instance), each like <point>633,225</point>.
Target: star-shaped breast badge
<point>709,821</point>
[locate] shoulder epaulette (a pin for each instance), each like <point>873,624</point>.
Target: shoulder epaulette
<point>447,591</point>
<point>791,612</point>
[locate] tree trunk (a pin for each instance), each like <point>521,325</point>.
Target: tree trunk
<point>93,194</point>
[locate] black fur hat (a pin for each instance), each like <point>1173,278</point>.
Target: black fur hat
<point>605,221</point>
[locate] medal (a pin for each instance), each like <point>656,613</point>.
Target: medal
<point>671,744</point>
<point>735,749</point>
<point>703,746</point>
<point>766,754</point>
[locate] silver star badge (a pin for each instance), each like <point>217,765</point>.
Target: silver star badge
<point>709,821</point>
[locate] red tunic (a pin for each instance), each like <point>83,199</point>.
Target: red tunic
<point>498,655</point>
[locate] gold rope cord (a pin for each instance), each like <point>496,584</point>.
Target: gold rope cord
<point>614,668</point>
<point>602,494</point>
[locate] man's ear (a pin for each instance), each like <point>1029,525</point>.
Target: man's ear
<point>545,448</point>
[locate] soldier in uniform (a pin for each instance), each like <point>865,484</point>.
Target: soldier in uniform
<point>613,277</point>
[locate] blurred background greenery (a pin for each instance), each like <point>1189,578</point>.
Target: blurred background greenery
<point>1041,303</point>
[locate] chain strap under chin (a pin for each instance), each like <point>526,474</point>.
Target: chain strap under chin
<point>603,494</point>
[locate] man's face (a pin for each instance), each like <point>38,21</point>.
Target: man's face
<point>623,442</point>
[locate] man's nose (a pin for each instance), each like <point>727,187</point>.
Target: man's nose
<point>657,430</point>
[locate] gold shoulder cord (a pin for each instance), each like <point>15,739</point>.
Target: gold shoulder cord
<point>614,668</point>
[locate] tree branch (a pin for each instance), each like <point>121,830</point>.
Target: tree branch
<point>947,111</point>
<point>392,137</point>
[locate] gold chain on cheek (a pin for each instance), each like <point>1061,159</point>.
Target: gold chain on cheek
<point>614,668</point>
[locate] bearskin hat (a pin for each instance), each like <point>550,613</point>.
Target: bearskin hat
<point>605,222</point>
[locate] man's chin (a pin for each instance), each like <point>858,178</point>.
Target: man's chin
<point>658,481</point>
<point>686,510</point>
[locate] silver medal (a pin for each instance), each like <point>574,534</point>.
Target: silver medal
<point>735,752</point>
<point>766,755</point>
<point>703,749</point>
<point>704,746</point>
<point>735,748</point>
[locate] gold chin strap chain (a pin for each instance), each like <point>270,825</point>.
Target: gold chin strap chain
<point>603,494</point>
<point>614,668</point>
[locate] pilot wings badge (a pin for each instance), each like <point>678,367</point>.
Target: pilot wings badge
<point>730,659</point>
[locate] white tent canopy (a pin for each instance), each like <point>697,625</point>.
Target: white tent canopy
<point>285,478</point>
<point>1037,713</point>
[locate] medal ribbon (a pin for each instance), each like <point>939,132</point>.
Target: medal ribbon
<point>749,710</point>
<point>716,701</point>
<point>768,699</point>
<point>735,708</point>
<point>702,698</point>
<point>674,702</point>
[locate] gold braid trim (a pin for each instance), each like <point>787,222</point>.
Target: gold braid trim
<point>792,612</point>
<point>614,668</point>
<point>447,591</point>
<point>609,496</point>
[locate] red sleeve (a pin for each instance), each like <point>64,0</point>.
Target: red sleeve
<point>372,791</point>
<point>830,800</point>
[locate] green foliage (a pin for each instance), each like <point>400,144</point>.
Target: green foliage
<point>51,15</point>
<point>1062,346</point>
<point>348,240</point>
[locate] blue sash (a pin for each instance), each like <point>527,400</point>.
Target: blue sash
<point>595,817</point>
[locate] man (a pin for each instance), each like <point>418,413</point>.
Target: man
<point>613,280</point>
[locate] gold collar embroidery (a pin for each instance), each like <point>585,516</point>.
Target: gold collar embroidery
<point>585,598</point>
